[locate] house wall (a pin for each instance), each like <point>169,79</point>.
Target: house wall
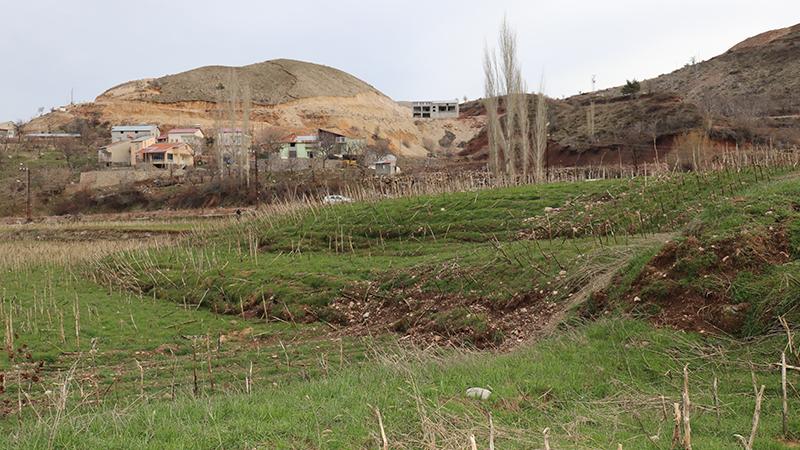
<point>180,159</point>
<point>137,146</point>
<point>435,110</point>
<point>7,129</point>
<point>231,139</point>
<point>106,178</point>
<point>304,150</point>
<point>118,154</point>
<point>117,136</point>
<point>384,169</point>
<point>185,137</point>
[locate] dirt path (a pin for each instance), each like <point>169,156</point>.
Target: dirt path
<point>597,282</point>
<point>208,213</point>
<point>453,318</point>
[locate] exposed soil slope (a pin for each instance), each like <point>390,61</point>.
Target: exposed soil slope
<point>271,83</point>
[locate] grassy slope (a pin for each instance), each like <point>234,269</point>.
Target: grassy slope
<point>741,251</point>
<point>595,386</point>
<point>46,302</point>
<point>48,169</point>
<point>304,260</point>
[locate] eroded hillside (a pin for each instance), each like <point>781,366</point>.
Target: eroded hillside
<point>292,95</point>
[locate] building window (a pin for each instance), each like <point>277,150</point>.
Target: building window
<point>292,154</point>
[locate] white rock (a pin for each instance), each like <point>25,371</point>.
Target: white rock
<point>476,392</point>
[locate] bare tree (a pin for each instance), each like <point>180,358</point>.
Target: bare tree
<point>540,135</point>
<point>509,139</point>
<point>72,150</point>
<point>232,144</point>
<point>19,128</point>
<point>267,143</point>
<point>325,148</point>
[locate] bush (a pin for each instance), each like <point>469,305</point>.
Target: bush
<point>632,87</point>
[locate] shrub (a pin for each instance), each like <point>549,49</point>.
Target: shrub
<point>632,87</point>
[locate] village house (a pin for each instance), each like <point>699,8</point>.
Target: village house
<point>294,146</point>
<point>435,109</point>
<point>192,136</point>
<point>115,154</point>
<point>8,129</point>
<point>167,155</point>
<point>229,137</point>
<point>131,132</point>
<point>338,144</point>
<point>123,153</point>
<point>386,166</point>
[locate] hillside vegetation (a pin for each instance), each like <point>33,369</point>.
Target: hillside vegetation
<point>473,258</point>
<point>585,285</point>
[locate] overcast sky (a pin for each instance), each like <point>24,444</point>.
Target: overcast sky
<point>408,49</point>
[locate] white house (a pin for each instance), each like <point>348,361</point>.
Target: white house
<point>435,109</point>
<point>387,165</point>
<point>131,132</point>
<point>189,136</point>
<point>230,137</point>
<point>8,129</point>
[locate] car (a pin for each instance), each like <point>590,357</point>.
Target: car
<point>336,198</point>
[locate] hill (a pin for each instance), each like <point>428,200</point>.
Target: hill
<point>271,83</point>
<point>746,95</point>
<point>293,96</point>
<point>757,77</point>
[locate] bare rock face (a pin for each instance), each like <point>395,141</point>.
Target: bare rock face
<point>447,140</point>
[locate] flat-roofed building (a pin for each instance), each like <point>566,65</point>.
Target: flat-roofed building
<point>131,132</point>
<point>435,109</point>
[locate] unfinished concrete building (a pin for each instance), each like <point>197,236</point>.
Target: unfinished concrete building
<point>435,109</point>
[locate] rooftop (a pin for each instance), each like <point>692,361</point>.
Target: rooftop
<point>160,148</point>
<point>299,138</point>
<point>434,102</point>
<point>184,130</point>
<point>125,128</point>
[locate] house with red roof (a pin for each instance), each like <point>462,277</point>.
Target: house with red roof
<point>167,154</point>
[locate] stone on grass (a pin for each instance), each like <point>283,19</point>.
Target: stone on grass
<point>480,393</point>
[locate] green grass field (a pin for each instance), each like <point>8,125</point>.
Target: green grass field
<point>236,335</point>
